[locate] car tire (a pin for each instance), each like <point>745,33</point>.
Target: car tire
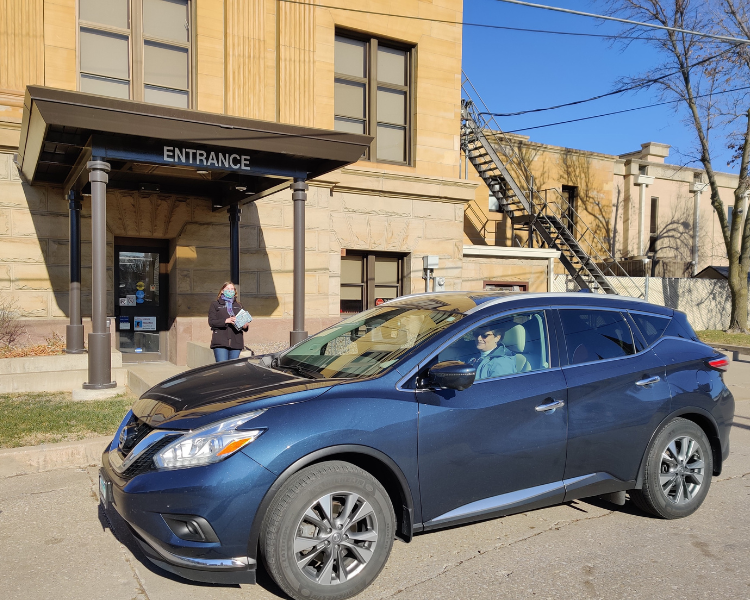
<point>328,532</point>
<point>678,471</point>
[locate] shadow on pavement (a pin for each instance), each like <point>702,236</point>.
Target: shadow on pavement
<point>629,508</point>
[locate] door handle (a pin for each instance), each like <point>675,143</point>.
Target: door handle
<point>550,405</point>
<point>648,381</point>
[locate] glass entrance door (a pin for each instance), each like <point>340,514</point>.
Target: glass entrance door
<point>141,298</point>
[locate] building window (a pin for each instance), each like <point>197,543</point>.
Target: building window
<point>372,94</point>
<point>506,286</point>
<point>136,49</point>
<point>730,212</point>
<point>653,228</point>
<point>368,280</point>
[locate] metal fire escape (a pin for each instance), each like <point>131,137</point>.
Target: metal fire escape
<point>547,215</point>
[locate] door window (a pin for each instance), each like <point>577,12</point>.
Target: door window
<point>515,343</point>
<point>592,335</point>
<point>652,327</point>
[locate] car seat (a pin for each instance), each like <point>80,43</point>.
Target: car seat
<point>515,340</point>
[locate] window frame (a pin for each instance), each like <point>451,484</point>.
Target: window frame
<point>371,92</point>
<point>547,329</point>
<point>368,276</point>
<point>136,50</point>
<point>554,351</point>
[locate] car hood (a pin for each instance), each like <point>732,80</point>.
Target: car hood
<point>201,396</point>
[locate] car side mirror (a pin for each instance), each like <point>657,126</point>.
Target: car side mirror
<point>451,375</point>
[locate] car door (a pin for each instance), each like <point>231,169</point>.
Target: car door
<point>616,398</point>
<point>501,442</point>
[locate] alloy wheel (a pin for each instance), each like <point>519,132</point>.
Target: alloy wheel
<point>335,538</point>
<point>681,470</point>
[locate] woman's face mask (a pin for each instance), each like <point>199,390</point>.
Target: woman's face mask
<point>228,294</point>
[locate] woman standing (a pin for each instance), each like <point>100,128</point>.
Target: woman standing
<point>227,341</point>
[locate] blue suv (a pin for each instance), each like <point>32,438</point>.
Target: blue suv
<point>428,411</point>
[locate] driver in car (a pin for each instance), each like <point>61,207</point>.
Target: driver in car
<point>494,359</point>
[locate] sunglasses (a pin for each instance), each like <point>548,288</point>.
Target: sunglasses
<point>485,335</point>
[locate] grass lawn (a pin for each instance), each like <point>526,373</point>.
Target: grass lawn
<point>39,418</point>
<point>714,336</point>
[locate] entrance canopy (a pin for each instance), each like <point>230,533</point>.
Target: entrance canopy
<point>86,143</point>
<point>171,150</point>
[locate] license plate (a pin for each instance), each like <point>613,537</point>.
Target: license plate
<point>103,491</point>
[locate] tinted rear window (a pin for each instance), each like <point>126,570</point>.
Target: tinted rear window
<point>651,326</point>
<point>679,327</point>
<point>595,335</point>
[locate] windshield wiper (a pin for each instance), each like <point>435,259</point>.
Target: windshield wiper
<point>301,371</point>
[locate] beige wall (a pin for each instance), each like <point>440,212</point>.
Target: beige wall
<point>552,167</point>
<point>477,270</point>
<point>672,185</point>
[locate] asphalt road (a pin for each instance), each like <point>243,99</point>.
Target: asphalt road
<point>55,542</point>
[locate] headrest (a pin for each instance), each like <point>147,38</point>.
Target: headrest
<point>515,338</point>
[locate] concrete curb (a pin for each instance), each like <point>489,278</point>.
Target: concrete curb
<point>48,457</point>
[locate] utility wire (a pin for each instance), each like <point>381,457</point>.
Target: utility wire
<point>618,112</point>
<point>642,84</point>
<point>481,25</point>
<point>722,38</point>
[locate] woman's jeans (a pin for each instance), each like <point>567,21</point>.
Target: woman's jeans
<point>222,354</point>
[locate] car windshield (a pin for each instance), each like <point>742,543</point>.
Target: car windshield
<point>367,343</point>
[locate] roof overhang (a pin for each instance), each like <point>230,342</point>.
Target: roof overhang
<point>171,150</point>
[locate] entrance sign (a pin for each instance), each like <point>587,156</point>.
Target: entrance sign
<point>203,158</point>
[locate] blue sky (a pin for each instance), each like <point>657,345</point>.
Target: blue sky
<point>517,71</point>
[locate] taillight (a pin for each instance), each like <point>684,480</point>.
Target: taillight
<point>720,364</point>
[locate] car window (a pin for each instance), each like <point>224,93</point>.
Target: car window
<point>367,343</point>
<point>680,327</point>
<point>651,326</point>
<point>515,343</point>
<point>595,335</point>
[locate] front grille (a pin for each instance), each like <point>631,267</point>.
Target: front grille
<point>145,462</point>
<point>133,433</point>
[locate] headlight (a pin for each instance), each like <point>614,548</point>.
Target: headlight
<point>208,444</point>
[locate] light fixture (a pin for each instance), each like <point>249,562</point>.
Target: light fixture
<point>202,172</point>
<point>240,188</point>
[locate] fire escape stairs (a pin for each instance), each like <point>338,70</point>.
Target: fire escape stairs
<point>528,210</point>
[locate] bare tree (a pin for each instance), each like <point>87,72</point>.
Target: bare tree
<point>11,329</point>
<point>703,76</point>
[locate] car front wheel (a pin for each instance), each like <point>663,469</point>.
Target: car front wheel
<point>678,471</point>
<point>328,532</point>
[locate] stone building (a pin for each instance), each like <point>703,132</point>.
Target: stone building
<point>368,225</point>
<point>641,209</point>
<point>300,71</point>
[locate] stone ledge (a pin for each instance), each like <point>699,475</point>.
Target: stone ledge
<point>52,381</point>
<point>59,362</point>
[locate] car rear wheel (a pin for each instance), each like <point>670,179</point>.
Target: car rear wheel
<point>678,471</point>
<point>328,532</point>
